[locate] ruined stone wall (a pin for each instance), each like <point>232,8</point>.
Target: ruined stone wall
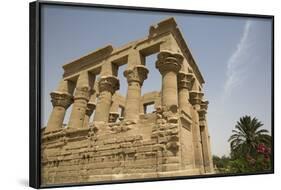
<point>187,149</point>
<point>173,140</point>
<point>148,149</point>
<point>83,157</point>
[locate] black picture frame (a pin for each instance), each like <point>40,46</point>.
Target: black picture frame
<point>35,88</point>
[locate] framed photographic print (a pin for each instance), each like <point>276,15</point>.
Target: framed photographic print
<point>129,94</point>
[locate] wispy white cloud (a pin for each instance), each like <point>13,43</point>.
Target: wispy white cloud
<point>237,61</point>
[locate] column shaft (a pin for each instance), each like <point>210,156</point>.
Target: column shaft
<point>169,64</point>
<point>61,100</point>
<point>205,148</point>
<point>56,118</point>
<point>107,87</point>
<point>210,154</point>
<point>183,98</point>
<point>103,106</point>
<point>78,113</point>
<point>169,89</point>
<point>114,106</point>
<point>90,107</point>
<point>89,111</point>
<point>197,141</point>
<point>86,120</point>
<point>196,98</point>
<point>135,78</point>
<point>132,107</point>
<point>81,99</point>
<point>185,82</point>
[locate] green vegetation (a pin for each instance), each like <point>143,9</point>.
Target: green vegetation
<point>250,149</point>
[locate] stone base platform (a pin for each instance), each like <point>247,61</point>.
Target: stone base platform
<point>117,151</point>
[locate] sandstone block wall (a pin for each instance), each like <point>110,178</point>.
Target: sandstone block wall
<point>101,143</point>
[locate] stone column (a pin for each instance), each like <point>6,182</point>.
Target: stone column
<point>185,82</point>
<point>169,64</point>
<point>90,109</point>
<point>107,87</point>
<point>81,98</point>
<point>206,149</point>
<point>195,99</point>
<point>114,114</point>
<point>135,78</point>
<point>61,100</point>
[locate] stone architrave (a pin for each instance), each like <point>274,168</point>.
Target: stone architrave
<point>107,87</point>
<point>185,82</point>
<point>135,78</point>
<point>195,99</point>
<point>169,64</point>
<point>81,98</point>
<point>61,100</point>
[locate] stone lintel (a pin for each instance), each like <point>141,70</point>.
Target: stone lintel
<point>167,25</point>
<point>188,55</point>
<point>94,59</point>
<point>89,59</point>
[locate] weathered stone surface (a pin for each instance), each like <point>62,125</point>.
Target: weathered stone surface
<point>173,140</point>
<point>135,77</point>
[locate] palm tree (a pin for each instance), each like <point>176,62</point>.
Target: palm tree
<point>247,135</point>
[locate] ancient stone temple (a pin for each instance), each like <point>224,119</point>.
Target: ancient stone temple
<point>173,140</point>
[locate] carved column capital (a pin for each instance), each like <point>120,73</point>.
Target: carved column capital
<point>136,74</point>
<point>202,114</point>
<point>109,83</point>
<point>61,99</point>
<point>203,110</point>
<point>82,93</point>
<point>113,116</point>
<point>204,104</point>
<point>169,61</point>
<point>90,108</point>
<point>185,80</point>
<point>196,97</point>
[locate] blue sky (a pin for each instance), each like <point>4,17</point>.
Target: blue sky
<point>232,53</point>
